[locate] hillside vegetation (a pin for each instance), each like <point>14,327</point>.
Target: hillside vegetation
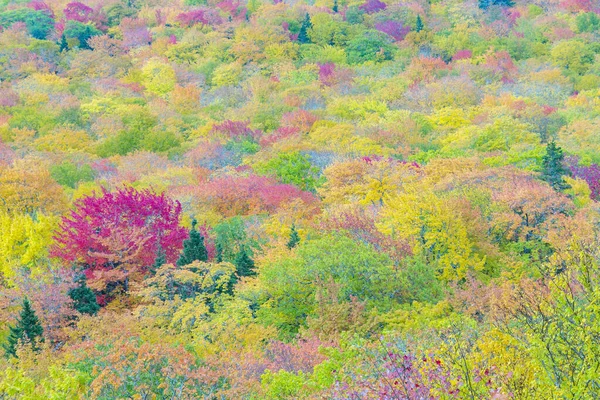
<point>300,199</point>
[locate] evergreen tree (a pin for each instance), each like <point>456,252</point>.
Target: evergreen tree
<point>306,25</point>
<point>84,299</point>
<point>335,6</point>
<point>219,251</point>
<point>553,168</point>
<point>419,25</point>
<point>485,4</point>
<point>27,330</point>
<point>244,265</point>
<point>64,46</point>
<point>294,238</point>
<point>193,248</point>
<point>161,258</point>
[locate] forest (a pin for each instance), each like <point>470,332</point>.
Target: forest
<point>300,199</point>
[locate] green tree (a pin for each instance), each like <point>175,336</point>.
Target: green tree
<point>84,299</point>
<point>27,330</point>
<point>230,238</point>
<point>64,46</point>
<point>81,32</point>
<point>335,6</point>
<point>354,15</point>
<point>588,22</point>
<point>303,34</point>
<point>69,174</point>
<point>294,238</point>
<point>372,46</point>
<point>292,168</point>
<point>485,4</point>
<point>219,252</point>
<point>419,25</point>
<point>193,248</point>
<point>553,168</point>
<point>38,23</point>
<point>161,258</point>
<point>244,265</point>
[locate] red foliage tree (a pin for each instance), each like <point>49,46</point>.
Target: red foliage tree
<point>76,11</point>
<point>104,233</point>
<point>199,16</point>
<point>247,195</point>
<point>236,130</point>
<point>41,6</point>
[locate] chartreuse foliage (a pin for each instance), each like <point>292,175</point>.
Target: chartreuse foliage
<point>291,281</point>
<point>24,243</point>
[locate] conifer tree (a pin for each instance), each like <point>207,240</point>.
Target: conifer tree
<point>161,258</point>
<point>244,265</point>
<point>64,46</point>
<point>219,252</point>
<point>303,34</point>
<point>485,4</point>
<point>193,248</point>
<point>294,238</point>
<point>335,6</point>
<point>27,330</point>
<point>553,168</point>
<point>84,299</point>
<point>419,25</point>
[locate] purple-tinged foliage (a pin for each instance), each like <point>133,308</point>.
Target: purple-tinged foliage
<point>393,28</point>
<point>373,6</point>
<point>590,174</point>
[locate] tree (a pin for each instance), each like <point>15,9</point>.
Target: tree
<point>159,77</point>
<point>485,4</point>
<point>244,264</point>
<point>303,34</point>
<point>294,238</point>
<point>419,25</point>
<point>115,235</point>
<point>39,24</point>
<point>292,168</point>
<point>553,168</point>
<point>161,258</point>
<point>219,252</point>
<point>84,299</point>
<point>82,32</point>
<point>24,242</point>
<point>193,248</point>
<point>27,330</point>
<point>28,187</point>
<point>335,6</point>
<point>372,46</point>
<point>64,46</point>
<point>69,174</point>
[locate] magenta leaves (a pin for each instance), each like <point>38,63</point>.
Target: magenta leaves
<point>114,228</point>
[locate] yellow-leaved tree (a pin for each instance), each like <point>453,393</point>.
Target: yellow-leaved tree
<point>24,242</point>
<point>436,229</point>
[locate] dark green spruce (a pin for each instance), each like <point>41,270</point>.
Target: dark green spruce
<point>161,259</point>
<point>485,4</point>
<point>553,168</point>
<point>294,238</point>
<point>84,299</point>
<point>244,265</point>
<point>193,248</point>
<point>303,34</point>
<point>419,25</point>
<point>27,330</point>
